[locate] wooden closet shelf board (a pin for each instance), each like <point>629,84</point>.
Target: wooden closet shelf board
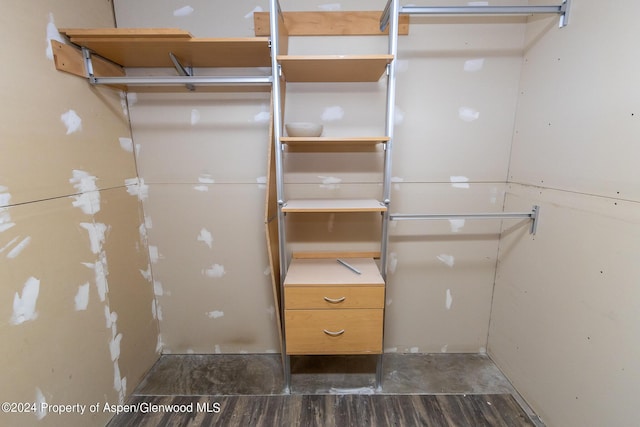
<point>342,23</point>
<point>126,33</point>
<point>137,51</point>
<point>327,271</point>
<point>334,68</point>
<point>334,205</point>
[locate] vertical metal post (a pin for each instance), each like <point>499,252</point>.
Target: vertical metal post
<point>274,15</point>
<point>389,131</point>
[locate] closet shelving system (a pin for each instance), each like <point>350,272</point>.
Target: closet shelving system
<point>328,302</point>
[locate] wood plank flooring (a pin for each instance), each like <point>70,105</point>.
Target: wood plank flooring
<point>442,410</point>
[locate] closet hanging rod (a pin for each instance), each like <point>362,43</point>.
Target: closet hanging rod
<point>178,80</point>
<point>562,10</point>
<point>533,215</point>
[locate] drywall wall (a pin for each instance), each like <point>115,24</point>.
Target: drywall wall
<point>566,312</point>
<point>76,319</point>
<point>203,158</point>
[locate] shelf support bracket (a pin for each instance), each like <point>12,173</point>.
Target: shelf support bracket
<point>182,70</point>
<point>88,65</point>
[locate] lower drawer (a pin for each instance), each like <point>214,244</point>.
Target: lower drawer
<point>344,331</point>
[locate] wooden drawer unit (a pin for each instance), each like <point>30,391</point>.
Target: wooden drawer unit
<point>330,309</point>
<point>333,297</point>
<point>348,331</point>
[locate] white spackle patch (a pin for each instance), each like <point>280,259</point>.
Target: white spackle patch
<point>272,312</point>
<point>217,349</point>
<point>328,7</point>
<point>206,237</point>
<point>334,113</point>
<point>396,182</point>
<point>126,144</point>
<point>5,247</point>
<point>123,104</point>
<point>158,290</point>
<point>250,14</point>
<point>468,114</point>
<point>389,302</point>
<point>114,347</point>
<point>456,224</point>
<point>267,271</point>
<point>459,181</point>
<point>112,317</point>
<point>142,231</point>
<point>215,314</point>
<point>183,11</point>
<point>262,182</point>
<point>88,198</point>
<point>449,299</point>
<point>41,409</point>
<point>473,65</point>
<point>393,262</point>
<point>215,271</point>
<point>493,199</point>
<point>101,271</point>
<point>132,98</point>
<point>478,3</point>
<point>5,197</point>
<point>52,34</point>
<point>206,178</point>
<point>154,254</point>
<point>262,117</point>
<point>329,182</point>
<point>19,248</point>
<point>203,188</point>
<point>97,233</point>
<point>82,297</point>
<point>391,350</point>
<point>482,350</point>
<point>137,187</point>
<point>446,259</point>
<point>159,344</point>
<point>24,306</point>
<point>72,121</point>
<point>195,116</point>
<point>398,117</point>
<point>146,273</point>
<point>414,350</point>
<point>5,220</point>
<point>148,222</point>
<point>443,349</point>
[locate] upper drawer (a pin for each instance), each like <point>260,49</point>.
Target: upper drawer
<point>332,297</point>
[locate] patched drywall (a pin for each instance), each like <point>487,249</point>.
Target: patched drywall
<point>74,322</point>
<point>565,319</point>
<point>203,158</point>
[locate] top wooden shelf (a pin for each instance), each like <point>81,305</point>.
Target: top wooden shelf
<point>333,205</point>
<point>334,68</point>
<point>150,47</point>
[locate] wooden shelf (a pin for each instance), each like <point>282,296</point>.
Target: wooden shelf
<point>313,272</point>
<point>333,205</point>
<point>138,47</point>
<point>334,68</point>
<point>329,144</point>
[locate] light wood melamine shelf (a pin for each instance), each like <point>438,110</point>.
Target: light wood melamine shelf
<point>139,47</point>
<point>333,205</point>
<point>334,68</point>
<point>328,272</point>
<point>327,144</point>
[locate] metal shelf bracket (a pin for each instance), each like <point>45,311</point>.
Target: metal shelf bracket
<point>182,70</point>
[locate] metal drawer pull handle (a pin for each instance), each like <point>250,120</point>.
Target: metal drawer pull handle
<point>334,334</point>
<point>334,301</point>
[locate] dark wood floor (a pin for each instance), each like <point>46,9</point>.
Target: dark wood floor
<point>443,410</point>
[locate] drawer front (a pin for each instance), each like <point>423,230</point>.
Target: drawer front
<point>333,297</point>
<point>349,331</point>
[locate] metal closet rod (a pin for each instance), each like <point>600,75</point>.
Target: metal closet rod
<point>533,215</point>
<point>562,10</point>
